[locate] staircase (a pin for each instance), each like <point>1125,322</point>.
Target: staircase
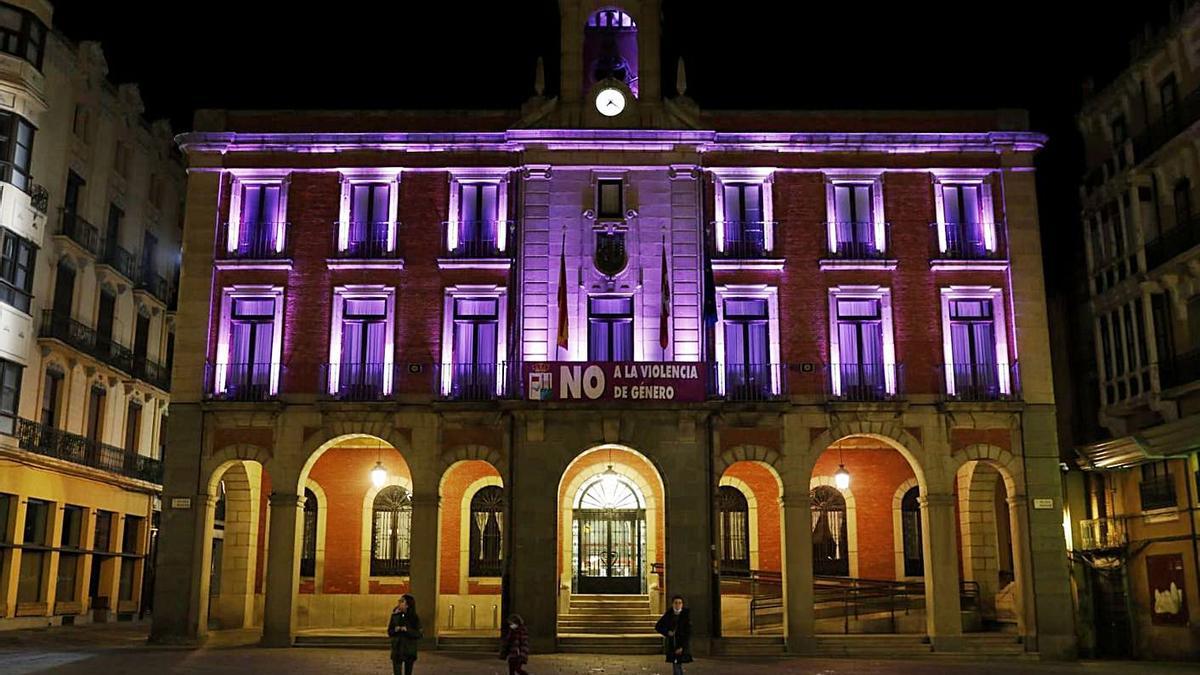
<point>609,624</point>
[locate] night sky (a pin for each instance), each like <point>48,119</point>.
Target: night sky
<point>748,54</point>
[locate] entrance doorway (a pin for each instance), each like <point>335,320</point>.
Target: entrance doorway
<point>609,536</point>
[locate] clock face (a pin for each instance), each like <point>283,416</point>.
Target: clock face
<point>610,102</point>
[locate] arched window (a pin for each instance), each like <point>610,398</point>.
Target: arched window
<point>910,524</point>
<point>487,532</point>
<point>391,532</point>
<point>610,49</point>
<point>830,540</point>
<point>308,550</point>
<point>733,530</point>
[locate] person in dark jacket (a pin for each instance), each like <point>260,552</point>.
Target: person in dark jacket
<point>676,628</point>
<point>404,628</point>
<point>514,645</point>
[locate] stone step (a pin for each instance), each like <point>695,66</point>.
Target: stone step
<point>610,644</point>
<point>465,643</point>
<point>749,646</point>
<point>344,641</point>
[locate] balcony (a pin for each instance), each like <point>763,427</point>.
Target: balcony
<point>51,442</point>
<point>366,241</point>
<point>465,240</point>
<point>153,284</point>
<point>980,382</point>
<point>477,381</point>
<point>242,382</point>
<point>966,242</point>
<point>79,231</point>
<point>857,242</point>
<point>1180,370</point>
<point>1158,492</point>
<point>84,339</point>
<point>1099,534</point>
<point>1167,127</point>
<point>357,381</point>
<point>1173,242</point>
<point>743,240</point>
<point>121,261</point>
<point>866,382</point>
<point>266,241</point>
<point>152,372</point>
<point>748,382</point>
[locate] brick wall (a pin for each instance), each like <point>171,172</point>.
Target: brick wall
<point>765,486</point>
<point>453,494</point>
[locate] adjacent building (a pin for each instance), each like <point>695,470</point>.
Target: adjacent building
<point>572,359</point>
<point>1133,512</point>
<point>90,213</point>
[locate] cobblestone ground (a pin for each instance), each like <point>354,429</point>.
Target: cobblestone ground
<point>110,651</point>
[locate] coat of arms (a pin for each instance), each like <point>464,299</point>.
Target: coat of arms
<point>610,257</point>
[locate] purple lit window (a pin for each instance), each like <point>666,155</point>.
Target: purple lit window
<point>860,347</point>
<point>747,347</point>
<point>259,221</point>
<point>368,231</point>
<point>251,346</point>
<point>854,223</point>
<point>744,233</point>
<point>610,329</point>
<point>477,212</point>
<point>961,205</point>
<point>609,203</point>
<point>364,339</point>
<point>476,322</point>
<point>973,347</point>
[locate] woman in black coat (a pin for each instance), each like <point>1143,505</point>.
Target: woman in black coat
<point>676,628</point>
<point>404,628</point>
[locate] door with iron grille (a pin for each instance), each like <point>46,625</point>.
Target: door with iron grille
<point>610,540</point>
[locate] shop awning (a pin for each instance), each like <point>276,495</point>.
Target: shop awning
<point>1163,441</point>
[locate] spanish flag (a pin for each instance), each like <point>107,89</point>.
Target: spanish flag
<point>664,322</point>
<point>564,328</point>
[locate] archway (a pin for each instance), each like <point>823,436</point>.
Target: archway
<point>611,542</point>
<point>237,545</point>
<point>356,546</point>
<point>987,563</point>
<point>750,549</point>
<point>860,582</point>
<point>472,534</point>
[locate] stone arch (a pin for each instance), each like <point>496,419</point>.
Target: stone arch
<point>898,524</point>
<point>747,453</point>
<point>1004,461</point>
<point>233,604</point>
<point>338,432</point>
<point>889,432</point>
<point>467,452</point>
<point>322,521</point>
<point>220,460</point>
<point>851,519</point>
<point>751,514</point>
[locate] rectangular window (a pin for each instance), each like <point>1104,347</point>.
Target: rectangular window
<point>476,322</point>
<point>30,586</point>
<point>141,337</point>
<point>68,563</point>
<point>131,534</point>
<point>10,395</point>
<point>370,225</point>
<point>854,235</point>
<point>745,229</point>
<point>17,256</point>
<point>364,342</point>
<point>50,398</point>
<point>860,348</point>
<point>64,291</point>
<point>478,220</point>
<point>16,150</point>
<point>747,348</point>
<point>251,347</point>
<point>8,505</point>
<point>259,226</point>
<point>103,537</point>
<point>610,328</point>
<point>95,423</point>
<point>609,199</point>
<point>962,207</point>
<point>22,34</point>
<point>104,320</point>
<point>133,427</point>
<point>973,346</point>
<point>1157,488</point>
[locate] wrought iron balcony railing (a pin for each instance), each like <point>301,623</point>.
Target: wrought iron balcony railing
<point>154,284</point>
<point>1101,533</point>
<point>476,381</point>
<point>980,382</point>
<point>242,381</point>
<point>748,382</point>
<point>858,241</point>
<point>85,339</point>
<point>80,231</point>
<point>965,241</point>
<point>120,260</point>
<point>467,239</point>
<point>1168,126</point>
<point>742,240</point>
<point>262,241</point>
<point>366,241</point>
<point>1172,242</point>
<point>866,382</point>
<point>352,381</point>
<point>153,372</point>
<point>51,442</point>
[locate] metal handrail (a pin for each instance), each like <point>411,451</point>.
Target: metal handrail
<point>857,241</point>
<point>50,442</point>
<point>260,247</point>
<point>373,245</point>
<point>979,382</point>
<point>486,244</point>
<point>79,231</point>
<point>866,382</point>
<point>749,240</point>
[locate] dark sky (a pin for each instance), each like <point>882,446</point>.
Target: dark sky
<point>742,54</point>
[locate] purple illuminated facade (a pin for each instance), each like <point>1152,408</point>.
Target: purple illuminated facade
<point>792,282</point>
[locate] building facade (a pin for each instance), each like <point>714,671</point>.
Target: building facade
<point>1135,546</point>
<point>86,316</point>
<point>571,360</point>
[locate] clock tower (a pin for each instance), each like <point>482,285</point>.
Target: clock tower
<point>610,70</point>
